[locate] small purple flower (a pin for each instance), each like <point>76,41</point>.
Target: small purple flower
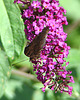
<point>63,74</point>
<point>27,13</point>
<point>70,90</point>
<point>71,79</point>
<point>60,59</point>
<point>46,5</point>
<point>43,89</point>
<point>51,66</point>
<point>35,4</point>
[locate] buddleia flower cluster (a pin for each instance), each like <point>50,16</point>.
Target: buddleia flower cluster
<point>50,67</point>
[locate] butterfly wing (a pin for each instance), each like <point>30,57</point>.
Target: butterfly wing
<point>34,48</point>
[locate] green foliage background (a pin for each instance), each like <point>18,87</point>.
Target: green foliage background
<point>12,42</point>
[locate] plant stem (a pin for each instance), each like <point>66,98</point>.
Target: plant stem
<point>23,74</point>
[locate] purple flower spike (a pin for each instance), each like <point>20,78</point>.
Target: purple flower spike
<point>49,66</point>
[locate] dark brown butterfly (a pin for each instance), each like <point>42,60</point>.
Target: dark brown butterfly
<point>34,48</point>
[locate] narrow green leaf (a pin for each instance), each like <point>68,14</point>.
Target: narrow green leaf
<point>11,28</point>
<point>4,71</point>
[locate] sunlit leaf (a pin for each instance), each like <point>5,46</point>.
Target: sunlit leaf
<point>11,28</point>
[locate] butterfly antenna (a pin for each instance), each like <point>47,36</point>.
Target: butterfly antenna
<point>19,62</point>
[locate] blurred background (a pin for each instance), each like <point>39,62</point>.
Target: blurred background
<point>23,86</point>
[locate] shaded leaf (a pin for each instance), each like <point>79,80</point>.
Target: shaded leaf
<point>18,90</point>
<point>4,71</point>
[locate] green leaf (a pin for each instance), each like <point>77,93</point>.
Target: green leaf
<point>50,95</point>
<point>11,28</point>
<point>22,60</point>
<point>74,57</point>
<point>74,63</point>
<point>73,38</point>
<point>38,95</point>
<point>38,85</point>
<point>11,86</point>
<point>72,7</point>
<point>4,71</point>
<point>18,90</point>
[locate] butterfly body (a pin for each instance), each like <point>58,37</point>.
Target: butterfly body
<point>34,48</point>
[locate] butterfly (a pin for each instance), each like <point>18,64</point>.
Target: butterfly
<point>34,48</point>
